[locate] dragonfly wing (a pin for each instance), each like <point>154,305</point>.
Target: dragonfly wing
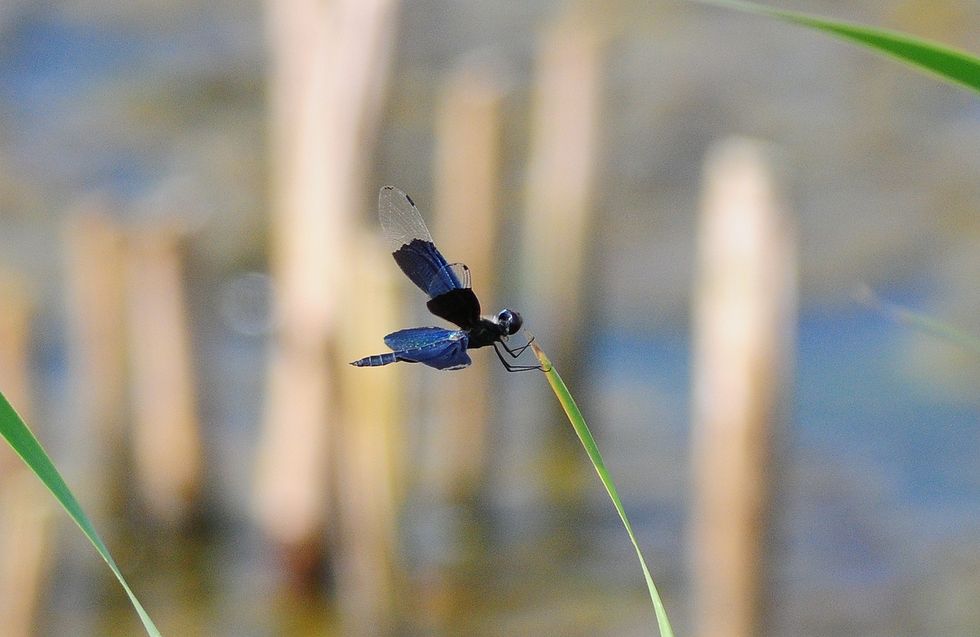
<point>427,268</point>
<point>400,219</point>
<point>420,337</point>
<point>452,276</point>
<point>457,306</point>
<point>451,356</point>
<point>412,246</point>
<point>433,346</point>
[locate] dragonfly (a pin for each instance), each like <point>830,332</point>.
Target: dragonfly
<point>450,298</point>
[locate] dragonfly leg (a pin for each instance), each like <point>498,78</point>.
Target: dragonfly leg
<point>510,367</point>
<point>517,351</point>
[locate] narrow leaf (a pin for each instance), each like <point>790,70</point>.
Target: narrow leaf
<point>12,428</point>
<point>921,322</point>
<point>949,64</point>
<point>585,436</point>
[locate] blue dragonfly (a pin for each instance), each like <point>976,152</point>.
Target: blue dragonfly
<point>450,298</point>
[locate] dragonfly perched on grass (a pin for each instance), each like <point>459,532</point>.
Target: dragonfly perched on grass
<point>450,298</point>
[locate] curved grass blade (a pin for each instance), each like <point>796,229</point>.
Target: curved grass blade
<point>12,428</point>
<point>921,322</point>
<point>937,59</point>
<point>585,436</point>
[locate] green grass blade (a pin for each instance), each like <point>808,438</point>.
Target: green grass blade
<point>585,436</point>
<point>947,63</point>
<point>12,428</point>
<point>921,322</point>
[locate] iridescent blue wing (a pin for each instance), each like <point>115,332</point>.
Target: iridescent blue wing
<point>433,346</point>
<point>447,284</point>
<point>420,337</point>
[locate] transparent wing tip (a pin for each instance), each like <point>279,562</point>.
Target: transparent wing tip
<point>390,192</point>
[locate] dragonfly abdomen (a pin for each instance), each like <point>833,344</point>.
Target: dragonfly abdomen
<point>377,360</point>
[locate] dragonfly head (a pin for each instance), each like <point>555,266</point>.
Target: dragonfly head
<point>510,322</point>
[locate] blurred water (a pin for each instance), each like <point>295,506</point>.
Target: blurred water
<point>877,468</point>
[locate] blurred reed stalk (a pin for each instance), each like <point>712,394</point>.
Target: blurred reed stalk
<point>561,181</point>
<point>469,129</point>
<point>466,214</point>
<point>556,259</point>
<point>744,316</point>
<point>370,581</point>
<point>166,434</point>
<point>328,68</point>
<point>26,545</point>
<point>94,283</point>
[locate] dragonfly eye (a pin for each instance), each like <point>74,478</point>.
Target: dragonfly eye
<point>511,321</point>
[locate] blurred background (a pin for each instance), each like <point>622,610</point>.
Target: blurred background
<point>705,218</point>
